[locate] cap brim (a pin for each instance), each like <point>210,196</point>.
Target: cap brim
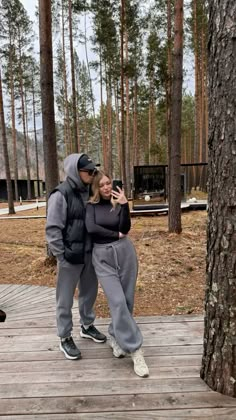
<point>89,167</point>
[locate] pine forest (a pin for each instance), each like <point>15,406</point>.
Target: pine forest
<point>113,84</point>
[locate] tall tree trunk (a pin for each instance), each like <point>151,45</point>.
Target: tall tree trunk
<point>122,19</point>
<point>149,125</point>
<point>26,149</point>
<point>5,153</point>
<point>174,214</point>
<point>47,98</point>
<point>135,125</point>
<point>35,139</point>
<point>90,82</point>
<point>109,125</point>
<point>169,87</point>
<point>127,141</point>
<point>169,70</point>
<point>74,111</point>
<point>104,148</point>
<point>67,130</point>
<point>87,62</point>
<point>219,355</point>
<point>13,122</point>
<point>117,129</point>
<point>204,95</point>
<point>196,67</point>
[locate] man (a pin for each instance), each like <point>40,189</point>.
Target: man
<point>70,243</point>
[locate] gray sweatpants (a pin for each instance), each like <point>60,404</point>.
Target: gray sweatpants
<point>116,267</point>
<point>69,276</point>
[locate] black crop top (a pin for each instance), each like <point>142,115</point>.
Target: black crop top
<point>104,222</point>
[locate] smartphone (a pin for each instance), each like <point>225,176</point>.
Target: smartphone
<point>116,183</point>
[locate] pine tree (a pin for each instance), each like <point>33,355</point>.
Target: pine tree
<point>174,191</point>
<point>5,152</point>
<point>47,97</point>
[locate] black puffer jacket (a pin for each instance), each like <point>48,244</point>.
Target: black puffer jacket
<point>74,233</point>
<point>65,230</point>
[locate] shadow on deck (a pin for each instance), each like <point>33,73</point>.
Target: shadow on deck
<point>37,382</point>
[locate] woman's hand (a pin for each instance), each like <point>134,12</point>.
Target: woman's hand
<point>120,196</point>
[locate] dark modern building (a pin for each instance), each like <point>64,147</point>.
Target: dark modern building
<point>152,180</point>
<point>22,188</point>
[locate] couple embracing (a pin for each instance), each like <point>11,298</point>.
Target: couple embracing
<point>89,237</point>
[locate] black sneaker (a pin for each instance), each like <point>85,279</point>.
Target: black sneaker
<point>93,333</point>
<point>69,349</point>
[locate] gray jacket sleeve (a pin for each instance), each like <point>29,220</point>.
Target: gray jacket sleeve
<point>56,221</point>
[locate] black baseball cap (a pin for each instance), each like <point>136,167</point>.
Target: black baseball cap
<point>85,163</point>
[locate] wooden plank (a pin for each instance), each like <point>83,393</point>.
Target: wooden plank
<point>86,363</point>
<point>50,332</point>
<point>31,309</point>
<point>89,352</point>
<point>34,343</point>
<point>193,414</point>
<point>126,403</point>
<point>4,296</point>
<point>106,321</point>
<point>102,387</point>
<point>32,297</point>
<point>168,318</point>
<point>4,288</point>
<point>21,289</point>
<point>88,375</point>
<point>26,328</point>
<point>51,322</point>
<point>30,343</point>
<point>37,314</point>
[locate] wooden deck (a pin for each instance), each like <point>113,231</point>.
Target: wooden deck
<point>37,382</point>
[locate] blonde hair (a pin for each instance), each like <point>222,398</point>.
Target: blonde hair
<point>96,196</point>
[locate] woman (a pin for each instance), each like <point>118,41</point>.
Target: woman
<point>115,263</point>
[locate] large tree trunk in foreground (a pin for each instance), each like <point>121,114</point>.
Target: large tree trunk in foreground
<point>46,80</point>
<point>219,356</point>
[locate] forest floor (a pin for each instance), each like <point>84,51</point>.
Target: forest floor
<point>171,276</point>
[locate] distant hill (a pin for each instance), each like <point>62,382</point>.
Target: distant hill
<point>32,155</point>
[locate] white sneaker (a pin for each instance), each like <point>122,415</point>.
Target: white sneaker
<point>117,351</point>
<point>140,366</point>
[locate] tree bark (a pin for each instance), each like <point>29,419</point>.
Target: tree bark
<point>5,153</point>
<point>13,121</point>
<point>35,138</point>
<point>174,193</point>
<point>219,355</point>
<point>67,130</point>
<point>74,112</point>
<point>122,133</point>
<point>196,67</point>
<point>104,148</point>
<point>26,150</point>
<point>135,125</point>
<point>47,98</point>
<point>127,141</point>
<point>117,130</point>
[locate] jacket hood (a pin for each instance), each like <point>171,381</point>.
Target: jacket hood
<point>71,171</point>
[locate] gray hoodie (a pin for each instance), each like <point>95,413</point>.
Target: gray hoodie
<point>57,207</point>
